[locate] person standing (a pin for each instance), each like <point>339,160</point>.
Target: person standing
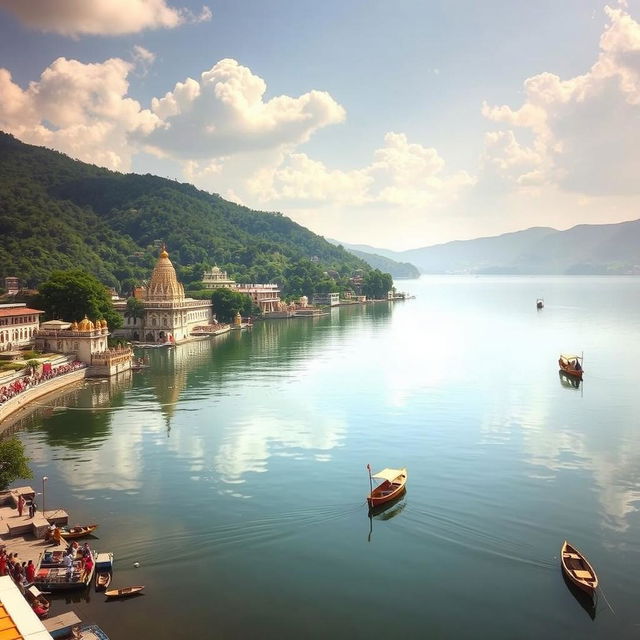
<point>21,502</point>
<point>30,571</point>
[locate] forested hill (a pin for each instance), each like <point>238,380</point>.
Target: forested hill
<point>59,213</point>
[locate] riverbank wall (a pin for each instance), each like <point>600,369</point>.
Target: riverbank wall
<point>16,406</point>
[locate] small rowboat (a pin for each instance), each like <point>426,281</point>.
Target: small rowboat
<point>69,533</point>
<point>571,365</point>
<point>394,481</point>
<point>577,569</point>
<point>103,580</point>
<point>125,592</point>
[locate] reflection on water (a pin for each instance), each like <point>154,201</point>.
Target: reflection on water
<point>587,602</point>
<point>260,481</point>
<point>568,381</point>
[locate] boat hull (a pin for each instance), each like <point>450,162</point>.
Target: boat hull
<point>387,491</point>
<point>577,569</point>
<point>78,532</point>
<point>126,592</point>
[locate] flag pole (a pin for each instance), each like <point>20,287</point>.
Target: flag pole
<point>370,480</point>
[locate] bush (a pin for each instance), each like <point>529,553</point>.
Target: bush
<point>8,366</point>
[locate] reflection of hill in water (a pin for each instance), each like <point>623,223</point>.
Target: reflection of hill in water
<point>81,418</point>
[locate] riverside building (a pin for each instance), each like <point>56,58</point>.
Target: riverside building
<point>167,316</point>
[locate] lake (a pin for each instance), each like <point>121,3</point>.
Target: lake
<point>234,470</point>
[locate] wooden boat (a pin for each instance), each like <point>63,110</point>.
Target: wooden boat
<point>69,533</point>
<point>38,602</point>
<point>577,568</point>
<point>571,365</point>
<point>90,632</point>
<point>125,592</point>
<point>59,579</point>
<point>61,626</point>
<point>394,482</point>
<point>52,559</point>
<point>539,303</point>
<point>104,570</point>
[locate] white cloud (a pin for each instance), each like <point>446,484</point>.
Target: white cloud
<point>585,133</point>
<point>224,113</point>
<point>79,109</point>
<point>401,173</point>
<point>100,17</point>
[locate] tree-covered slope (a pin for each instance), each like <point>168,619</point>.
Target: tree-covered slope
<point>59,213</point>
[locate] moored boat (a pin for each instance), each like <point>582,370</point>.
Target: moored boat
<point>539,303</point>
<point>61,579</point>
<point>69,533</point>
<point>90,632</point>
<point>38,602</point>
<point>124,592</point>
<point>571,365</point>
<point>392,485</point>
<point>577,568</point>
<point>104,570</point>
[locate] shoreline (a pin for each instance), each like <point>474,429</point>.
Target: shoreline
<point>23,402</point>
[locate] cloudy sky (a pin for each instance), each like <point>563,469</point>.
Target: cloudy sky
<point>397,124</point>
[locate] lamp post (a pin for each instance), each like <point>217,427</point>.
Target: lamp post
<point>44,479</point>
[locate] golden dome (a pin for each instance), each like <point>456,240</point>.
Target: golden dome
<point>85,325</point>
<point>164,285</point>
<point>104,323</point>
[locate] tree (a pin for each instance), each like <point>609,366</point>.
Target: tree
<point>135,309</point>
<point>13,462</point>
<point>70,295</point>
<point>376,284</point>
<point>227,303</point>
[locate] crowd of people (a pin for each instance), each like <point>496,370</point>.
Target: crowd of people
<point>23,573</point>
<point>31,380</point>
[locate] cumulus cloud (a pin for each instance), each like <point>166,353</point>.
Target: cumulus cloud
<point>100,17</point>
<point>225,112</point>
<point>79,109</point>
<point>401,173</point>
<point>584,129</point>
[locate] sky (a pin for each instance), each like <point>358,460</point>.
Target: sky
<point>395,124</point>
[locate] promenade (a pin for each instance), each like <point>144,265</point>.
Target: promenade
<point>15,396</point>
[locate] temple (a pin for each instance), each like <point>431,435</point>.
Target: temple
<point>167,317</point>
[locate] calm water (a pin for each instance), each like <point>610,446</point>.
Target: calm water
<point>234,470</point>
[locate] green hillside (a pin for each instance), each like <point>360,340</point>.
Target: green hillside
<point>59,213</point>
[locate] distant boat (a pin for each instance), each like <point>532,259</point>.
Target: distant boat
<point>577,569</point>
<point>394,482</point>
<point>68,533</point>
<point>125,592</point>
<point>571,365</point>
<point>104,570</point>
<point>540,303</point>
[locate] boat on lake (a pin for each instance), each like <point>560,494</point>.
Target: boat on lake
<point>539,303</point>
<point>104,570</point>
<point>571,365</point>
<point>577,569</point>
<point>125,592</point>
<point>89,632</point>
<point>392,485</point>
<point>69,533</point>
<point>60,579</point>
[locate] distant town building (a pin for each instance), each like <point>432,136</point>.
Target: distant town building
<point>168,315</point>
<point>18,324</point>
<point>217,279</point>
<point>266,296</point>
<point>323,299</point>
<point>11,285</point>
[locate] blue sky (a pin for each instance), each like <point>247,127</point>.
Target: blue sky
<point>397,124</point>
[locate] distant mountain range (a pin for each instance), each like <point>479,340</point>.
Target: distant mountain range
<point>602,249</point>
<point>374,258</point>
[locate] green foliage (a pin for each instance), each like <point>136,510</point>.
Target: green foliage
<point>70,295</point>
<point>60,214</point>
<point>11,366</point>
<point>377,284</point>
<point>227,303</point>
<point>13,462</point>
<point>135,309</point>
<point>26,355</point>
<point>33,364</point>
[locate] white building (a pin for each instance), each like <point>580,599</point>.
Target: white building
<point>266,296</point>
<point>217,279</point>
<point>168,315</point>
<point>18,324</point>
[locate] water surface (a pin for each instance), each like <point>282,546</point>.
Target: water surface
<point>234,470</point>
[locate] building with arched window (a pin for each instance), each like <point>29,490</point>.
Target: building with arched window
<point>167,315</point>
<point>18,325</point>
